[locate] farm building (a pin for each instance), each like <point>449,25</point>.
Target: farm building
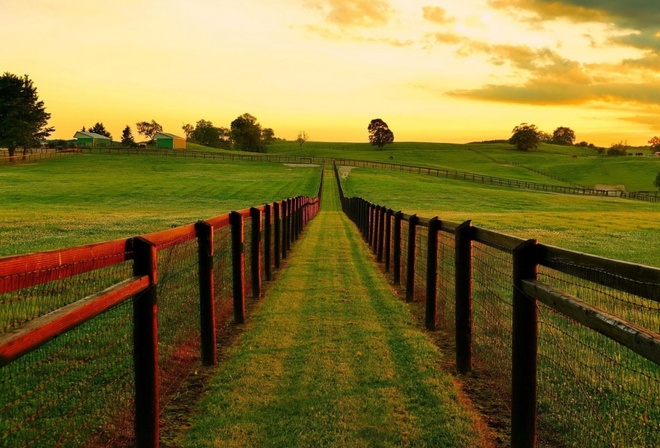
<point>91,140</point>
<point>169,141</point>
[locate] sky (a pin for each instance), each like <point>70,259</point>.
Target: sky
<point>435,71</point>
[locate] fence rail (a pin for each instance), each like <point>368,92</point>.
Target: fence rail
<point>569,343</point>
<point>95,341</point>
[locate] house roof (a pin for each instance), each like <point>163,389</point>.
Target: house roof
<point>165,135</point>
<point>89,135</point>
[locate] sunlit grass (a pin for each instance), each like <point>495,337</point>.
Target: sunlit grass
<point>610,227</point>
<point>91,198</point>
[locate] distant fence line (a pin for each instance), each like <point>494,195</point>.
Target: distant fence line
<point>437,172</point>
<point>39,155</point>
<point>569,343</point>
<point>95,341</point>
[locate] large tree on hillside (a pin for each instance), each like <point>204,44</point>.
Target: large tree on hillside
<point>563,136</point>
<point>379,133</point>
<point>525,137</point>
<point>246,134</point>
<point>98,128</point>
<point>23,118</point>
<point>655,144</point>
<point>148,129</point>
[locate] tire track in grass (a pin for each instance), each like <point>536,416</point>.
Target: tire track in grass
<point>332,358</point>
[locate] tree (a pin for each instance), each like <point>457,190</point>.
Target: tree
<point>206,134</point>
<point>525,137</point>
<point>618,149</point>
<point>302,138</point>
<point>563,136</point>
<point>23,118</point>
<point>246,134</point>
<point>188,130</point>
<point>148,129</point>
<point>267,136</point>
<point>127,137</point>
<point>655,144</point>
<point>379,133</point>
<point>98,128</point>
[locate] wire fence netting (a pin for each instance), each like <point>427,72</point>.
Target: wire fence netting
<point>404,251</point>
<point>76,390</point>
<point>27,303</point>
<point>446,284</point>
<point>591,388</point>
<point>421,261</point>
<point>492,318</point>
<point>178,315</point>
<point>222,273</point>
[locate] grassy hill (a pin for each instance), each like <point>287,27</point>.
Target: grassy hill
<point>552,164</point>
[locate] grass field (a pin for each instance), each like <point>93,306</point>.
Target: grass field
<point>549,162</point>
<point>609,227</point>
<point>91,198</point>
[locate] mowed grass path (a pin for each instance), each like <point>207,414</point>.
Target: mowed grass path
<point>332,358</point>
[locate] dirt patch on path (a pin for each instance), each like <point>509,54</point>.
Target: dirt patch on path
<point>619,187</point>
<point>302,165</point>
<point>344,171</point>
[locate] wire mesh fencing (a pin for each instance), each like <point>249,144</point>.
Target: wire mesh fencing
<point>97,342</point>
<point>567,345</point>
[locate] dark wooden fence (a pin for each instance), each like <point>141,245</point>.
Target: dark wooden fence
<point>567,342</point>
<point>96,341</point>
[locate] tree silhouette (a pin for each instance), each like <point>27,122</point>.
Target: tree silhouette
<point>379,133</point>
<point>23,118</point>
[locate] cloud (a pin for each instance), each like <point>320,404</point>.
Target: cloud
<point>550,79</point>
<point>445,38</point>
<point>352,13</point>
<point>436,14</point>
<point>642,16</point>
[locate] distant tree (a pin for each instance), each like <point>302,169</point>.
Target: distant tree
<point>618,149</point>
<point>127,137</point>
<point>545,137</point>
<point>246,134</point>
<point>23,118</point>
<point>303,136</point>
<point>148,129</point>
<point>563,136</point>
<point>655,144</point>
<point>98,128</point>
<point>206,134</point>
<point>379,133</point>
<point>83,129</point>
<point>525,137</point>
<point>188,130</point>
<point>583,144</point>
<point>267,136</point>
<point>657,181</point>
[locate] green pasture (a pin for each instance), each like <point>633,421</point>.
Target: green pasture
<point>550,164</point>
<point>84,199</point>
<point>609,227</point>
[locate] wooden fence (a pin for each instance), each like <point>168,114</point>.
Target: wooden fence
<point>568,341</point>
<point>95,341</point>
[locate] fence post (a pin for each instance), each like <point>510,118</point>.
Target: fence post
<point>289,224</point>
<point>145,347</point>
<point>412,256</point>
<point>381,235</point>
<point>285,227</point>
<point>268,241</point>
<point>524,349</point>
<point>388,238</point>
<point>255,252</point>
<point>432,275</point>
<point>463,299</point>
<point>238,265</point>
<point>396,242</point>
<point>206,293</point>
<point>277,233</point>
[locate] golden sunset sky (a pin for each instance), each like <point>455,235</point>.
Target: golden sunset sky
<point>442,71</point>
